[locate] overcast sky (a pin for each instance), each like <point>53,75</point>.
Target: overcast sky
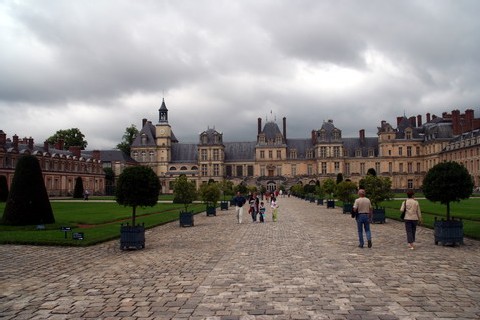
<point>103,65</point>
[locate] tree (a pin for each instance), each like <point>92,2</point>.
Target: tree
<point>346,191</point>
<point>329,186</point>
<point>446,182</point>
<point>227,188</point>
<point>377,189</point>
<point>184,191</point>
<point>137,186</point>
<point>71,138</point>
<point>3,189</point>
<point>127,139</point>
<point>78,189</point>
<point>339,177</point>
<point>241,187</point>
<point>210,193</point>
<point>28,202</point>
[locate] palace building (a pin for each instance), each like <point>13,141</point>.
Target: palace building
<point>404,152</point>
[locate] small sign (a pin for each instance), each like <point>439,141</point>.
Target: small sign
<point>41,227</point>
<point>77,236</point>
<point>66,228</point>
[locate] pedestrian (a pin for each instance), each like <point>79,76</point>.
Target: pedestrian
<point>413,217</point>
<point>239,201</point>
<point>254,203</point>
<point>274,205</point>
<point>86,194</point>
<point>363,209</point>
<point>262,212</point>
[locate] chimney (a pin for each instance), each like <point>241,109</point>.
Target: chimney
<point>75,150</point>
<point>428,117</point>
<point>469,117</point>
<point>144,121</point>
<point>3,138</point>
<point>30,143</point>
<point>15,141</point>
<point>259,125</point>
<point>96,155</point>
<point>412,121</point>
<point>361,134</point>
<point>399,119</point>
<point>45,146</point>
<point>314,137</point>
<point>60,144</point>
<point>456,125</point>
<point>285,129</point>
<point>419,121</point>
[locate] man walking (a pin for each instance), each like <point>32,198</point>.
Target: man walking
<point>239,201</point>
<point>364,210</point>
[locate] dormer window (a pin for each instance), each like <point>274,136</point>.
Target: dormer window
<point>143,139</point>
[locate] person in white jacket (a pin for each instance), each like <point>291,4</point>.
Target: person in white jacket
<point>413,217</point>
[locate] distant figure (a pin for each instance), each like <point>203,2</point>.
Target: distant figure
<point>239,201</point>
<point>86,194</point>
<point>262,211</point>
<point>363,208</point>
<point>274,205</point>
<point>413,217</point>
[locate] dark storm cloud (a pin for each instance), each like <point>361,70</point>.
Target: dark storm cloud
<point>224,64</point>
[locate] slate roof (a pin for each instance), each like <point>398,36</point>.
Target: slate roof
<point>113,156</point>
<point>271,131</point>
<point>351,145</point>
<point>238,151</point>
<point>301,145</point>
<point>148,131</point>
<point>184,152</point>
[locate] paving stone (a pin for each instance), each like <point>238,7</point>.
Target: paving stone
<point>304,266</point>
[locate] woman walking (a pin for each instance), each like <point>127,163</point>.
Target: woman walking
<point>413,217</point>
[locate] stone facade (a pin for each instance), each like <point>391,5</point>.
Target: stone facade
<point>403,153</point>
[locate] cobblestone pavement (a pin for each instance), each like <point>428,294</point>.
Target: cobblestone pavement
<point>305,266</point>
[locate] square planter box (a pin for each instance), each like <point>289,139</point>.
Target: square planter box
<point>224,205</point>
<point>211,211</point>
<point>320,202</point>
<point>331,204</point>
<point>347,208</point>
<point>448,231</point>
<point>378,215</point>
<point>186,219</point>
<point>132,237</point>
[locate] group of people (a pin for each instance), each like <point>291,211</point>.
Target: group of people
<point>256,207</point>
<point>363,212</point>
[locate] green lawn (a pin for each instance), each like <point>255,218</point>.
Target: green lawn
<point>99,221</point>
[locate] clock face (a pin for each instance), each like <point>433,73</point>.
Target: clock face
<point>162,131</point>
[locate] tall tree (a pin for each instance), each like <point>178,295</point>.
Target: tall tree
<point>28,202</point>
<point>71,137</point>
<point>3,189</point>
<point>127,139</point>
<point>137,186</point>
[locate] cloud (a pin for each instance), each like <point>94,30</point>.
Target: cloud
<point>102,66</point>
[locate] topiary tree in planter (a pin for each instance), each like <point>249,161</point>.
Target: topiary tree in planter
<point>210,193</point>
<point>345,192</point>
<point>185,192</point>
<point>448,182</point>
<point>319,192</point>
<point>28,202</point>
<point>226,187</point>
<point>136,186</point>
<point>329,186</point>
<point>377,189</point>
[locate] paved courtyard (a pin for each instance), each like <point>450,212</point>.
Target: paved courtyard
<point>305,266</point>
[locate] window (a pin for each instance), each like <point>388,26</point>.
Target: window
<point>410,167</point>
<point>144,156</point>
<point>377,167</point>
<point>410,184</point>
<point>293,154</point>
<point>362,168</point>
<point>408,135</point>
<point>204,170</point>
<point>358,153</point>
<point>294,170</point>
<point>400,167</point>
<point>400,151</point>
<point>152,155</point>
<point>390,167</point>
<point>409,151</point>
<point>336,152</point>
<point>279,154</point>
<point>203,155</point>
<point>270,154</point>
<point>239,171</point>
<point>418,167</point>
<point>216,169</point>
<point>250,170</point>
<point>324,168</point>
<point>216,155</point>
<point>309,169</point>
<point>262,170</point>
<point>337,167</point>
<point>323,152</point>
<point>262,154</point>
<point>279,170</point>
<point>347,168</point>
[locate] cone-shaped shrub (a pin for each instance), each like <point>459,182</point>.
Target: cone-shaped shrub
<point>28,202</point>
<point>3,189</point>
<point>78,190</point>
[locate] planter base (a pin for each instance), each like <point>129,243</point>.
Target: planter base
<point>378,215</point>
<point>224,205</point>
<point>186,219</point>
<point>132,237</point>
<point>331,204</point>
<point>448,231</point>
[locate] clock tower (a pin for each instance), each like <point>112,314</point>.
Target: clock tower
<point>163,133</point>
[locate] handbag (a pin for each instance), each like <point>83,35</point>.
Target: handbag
<point>402,216</point>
